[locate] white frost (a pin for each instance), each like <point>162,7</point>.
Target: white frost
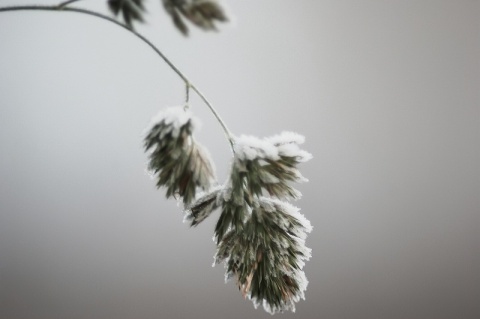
<point>284,144</point>
<point>251,147</point>
<point>288,209</point>
<point>286,138</point>
<point>175,117</point>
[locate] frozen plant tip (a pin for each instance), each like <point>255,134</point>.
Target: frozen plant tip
<point>177,161</point>
<point>260,237</point>
<point>268,165</point>
<point>260,167</point>
<point>266,258</point>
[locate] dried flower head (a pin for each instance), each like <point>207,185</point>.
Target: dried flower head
<point>268,165</point>
<point>259,166</point>
<point>179,163</point>
<point>129,9</point>
<point>267,257</point>
<point>261,239</point>
<point>202,13</point>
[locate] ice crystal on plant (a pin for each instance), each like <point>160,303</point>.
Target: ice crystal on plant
<point>203,206</point>
<point>260,237</point>
<point>267,257</point>
<point>268,166</point>
<point>177,161</point>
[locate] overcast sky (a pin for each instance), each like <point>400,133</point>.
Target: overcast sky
<point>387,94</point>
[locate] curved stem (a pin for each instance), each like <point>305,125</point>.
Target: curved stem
<point>62,7</point>
<point>66,3</point>
<point>187,95</point>
<point>228,133</point>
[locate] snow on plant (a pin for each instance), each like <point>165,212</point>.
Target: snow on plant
<point>178,162</point>
<point>260,237</point>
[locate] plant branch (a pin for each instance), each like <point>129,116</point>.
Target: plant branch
<point>187,95</point>
<point>62,7</point>
<point>66,3</point>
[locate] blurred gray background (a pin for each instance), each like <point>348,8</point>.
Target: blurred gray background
<point>386,92</point>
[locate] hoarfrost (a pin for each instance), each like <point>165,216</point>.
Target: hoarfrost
<point>272,204</point>
<point>286,137</point>
<point>175,117</point>
<point>251,147</point>
<point>203,206</point>
<point>285,144</point>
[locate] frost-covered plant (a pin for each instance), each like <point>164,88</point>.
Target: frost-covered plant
<point>267,254</point>
<point>178,161</point>
<point>260,236</point>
